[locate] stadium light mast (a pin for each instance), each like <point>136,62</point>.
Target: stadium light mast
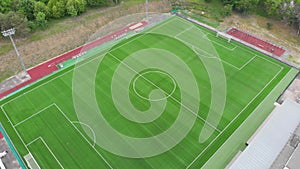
<point>147,10</point>
<point>9,33</point>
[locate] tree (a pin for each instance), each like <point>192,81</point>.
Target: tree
<point>57,8</point>
<point>245,6</point>
<point>71,10</point>
<point>297,8</point>
<point>5,6</point>
<point>14,20</point>
<point>290,11</point>
<point>40,20</point>
<point>41,7</point>
<point>227,10</point>
<point>75,7</point>
<point>82,5</point>
<point>272,7</point>
<point>97,2</point>
<point>26,7</point>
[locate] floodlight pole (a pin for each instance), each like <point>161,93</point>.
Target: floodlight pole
<point>147,10</point>
<point>9,33</point>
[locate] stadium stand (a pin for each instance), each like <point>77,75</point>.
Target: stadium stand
<point>269,140</point>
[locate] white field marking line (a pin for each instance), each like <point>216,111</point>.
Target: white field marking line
<point>142,74</point>
<point>227,48</point>
<point>211,56</point>
<point>33,160</point>
<point>76,67</point>
<point>248,62</point>
<point>28,118</point>
<point>205,35</point>
<point>234,118</point>
<point>189,23</point>
<point>184,21</point>
<point>34,140</point>
<point>218,57</point>
<point>242,123</point>
<point>187,29</point>
<point>51,152</point>
<point>247,49</point>
<point>94,135</point>
<point>276,64</point>
<point>196,114</point>
<point>14,128</point>
<point>100,155</point>
<point>146,33</point>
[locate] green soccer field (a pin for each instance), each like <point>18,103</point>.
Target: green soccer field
<point>167,97</point>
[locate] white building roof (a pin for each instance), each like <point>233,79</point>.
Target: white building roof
<point>270,139</point>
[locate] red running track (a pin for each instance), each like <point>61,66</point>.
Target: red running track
<point>49,66</point>
<point>278,51</point>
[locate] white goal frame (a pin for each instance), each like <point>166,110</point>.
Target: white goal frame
<point>224,35</point>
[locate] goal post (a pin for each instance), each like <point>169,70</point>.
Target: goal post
<point>224,35</point>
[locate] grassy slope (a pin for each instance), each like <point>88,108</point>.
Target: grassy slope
<point>257,74</point>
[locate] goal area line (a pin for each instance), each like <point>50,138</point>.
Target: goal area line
<point>29,158</point>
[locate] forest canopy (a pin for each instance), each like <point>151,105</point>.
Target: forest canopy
<point>32,14</point>
<point>35,14</point>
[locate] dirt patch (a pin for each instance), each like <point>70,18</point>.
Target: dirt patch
<point>280,33</point>
<point>69,34</point>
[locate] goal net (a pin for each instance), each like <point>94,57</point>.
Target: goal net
<point>224,35</point>
<point>31,162</point>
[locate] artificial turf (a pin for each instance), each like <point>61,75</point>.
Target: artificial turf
<point>42,118</point>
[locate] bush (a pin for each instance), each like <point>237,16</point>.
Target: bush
<point>269,25</point>
<point>227,10</point>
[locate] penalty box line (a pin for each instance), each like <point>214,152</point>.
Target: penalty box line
<point>232,49</point>
<point>187,108</point>
<point>33,115</point>
<point>206,34</point>
<point>44,142</point>
<point>93,147</point>
<point>72,123</point>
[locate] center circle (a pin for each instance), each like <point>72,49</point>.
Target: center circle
<point>112,91</point>
<point>152,95</point>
